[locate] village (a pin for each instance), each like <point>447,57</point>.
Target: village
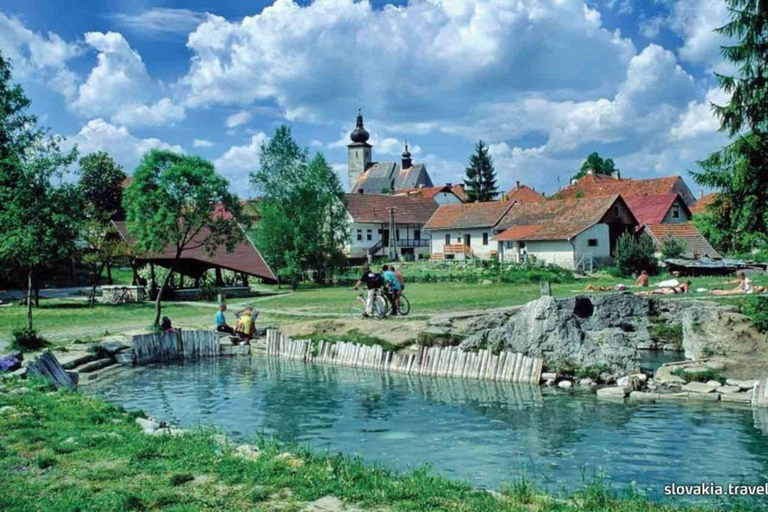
<point>335,256</point>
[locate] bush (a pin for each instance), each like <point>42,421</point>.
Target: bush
<point>24,338</point>
<point>672,247</point>
<point>634,255</point>
<point>756,308</point>
<point>209,291</point>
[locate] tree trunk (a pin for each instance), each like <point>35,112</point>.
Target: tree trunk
<point>29,298</point>
<point>135,272</point>
<point>219,279</point>
<point>109,273</point>
<point>96,274</point>
<point>158,300</point>
<point>36,288</point>
<point>153,287</point>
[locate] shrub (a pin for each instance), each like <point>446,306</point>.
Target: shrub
<point>634,255</point>
<point>756,308</point>
<point>25,338</point>
<point>208,290</point>
<point>672,247</point>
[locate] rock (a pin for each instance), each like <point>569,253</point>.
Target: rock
<point>700,387</point>
<point>550,382</point>
<point>148,425</point>
<point>586,382</point>
<point>613,392</point>
<point>634,381</point>
<point>8,409</point>
<point>169,431</point>
<point>640,396</point>
<point>291,460</point>
<point>125,357</point>
<point>112,347</point>
<point>739,398</point>
<point>549,376</point>
<point>486,282</point>
<point>711,328</point>
<point>671,380</point>
<point>714,365</point>
<point>747,385</point>
<point>714,383</point>
<point>728,389</point>
<point>695,370</point>
<point>732,382</point>
<point>565,384</point>
<point>704,397</point>
<point>247,451</point>
<point>675,397</point>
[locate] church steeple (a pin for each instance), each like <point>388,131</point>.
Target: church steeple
<point>407,162</point>
<point>358,152</point>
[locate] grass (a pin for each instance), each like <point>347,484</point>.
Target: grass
<point>703,376</point>
<point>351,336</point>
<point>67,451</point>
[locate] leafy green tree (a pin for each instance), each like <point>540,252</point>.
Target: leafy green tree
<point>100,187</point>
<point>672,247</point>
<point>176,203</point>
<point>633,255</point>
<point>39,213</point>
<point>596,164</point>
<point>480,183</point>
<point>737,220</point>
<point>303,225</point>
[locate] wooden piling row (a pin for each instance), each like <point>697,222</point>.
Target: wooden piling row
<point>431,361</point>
<point>760,393</point>
<point>170,346</point>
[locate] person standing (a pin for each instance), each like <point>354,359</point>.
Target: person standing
<point>400,278</point>
<point>372,282</point>
<point>393,286</point>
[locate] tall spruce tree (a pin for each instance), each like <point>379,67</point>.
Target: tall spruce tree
<point>480,183</point>
<point>737,220</point>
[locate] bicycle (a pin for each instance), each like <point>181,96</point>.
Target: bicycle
<point>404,306</point>
<point>378,308</point>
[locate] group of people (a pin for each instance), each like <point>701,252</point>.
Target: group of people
<point>744,286</point>
<point>245,328</point>
<point>390,279</point>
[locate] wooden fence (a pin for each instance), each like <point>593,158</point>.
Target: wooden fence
<point>432,361</point>
<point>168,346</point>
<point>760,393</point>
<point>47,366</point>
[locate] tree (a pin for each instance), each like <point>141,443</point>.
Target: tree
<point>633,255</point>
<point>672,247</point>
<point>597,165</point>
<point>176,203</point>
<point>39,213</point>
<point>737,220</point>
<point>303,223</point>
<point>100,187</point>
<point>480,182</point>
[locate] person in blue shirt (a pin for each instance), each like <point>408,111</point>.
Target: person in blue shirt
<point>393,287</point>
<point>221,322</point>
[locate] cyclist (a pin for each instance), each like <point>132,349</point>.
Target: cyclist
<point>400,278</point>
<point>393,286</point>
<point>373,281</point>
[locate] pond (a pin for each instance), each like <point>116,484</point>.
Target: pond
<point>485,432</point>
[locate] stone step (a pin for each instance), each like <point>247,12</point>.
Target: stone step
<point>94,365</point>
<point>103,373</point>
<point>70,362</point>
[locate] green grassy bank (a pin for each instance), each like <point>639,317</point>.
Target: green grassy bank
<point>64,451</point>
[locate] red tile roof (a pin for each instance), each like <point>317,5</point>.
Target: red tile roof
<point>598,185</point>
<point>652,209</point>
<point>697,245</point>
<point>375,208</point>
<point>555,219</point>
<point>703,202</point>
<point>458,189</point>
<point>244,258</point>
<point>524,194</point>
<point>428,192</point>
<point>468,215</point>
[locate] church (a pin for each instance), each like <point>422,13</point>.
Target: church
<point>368,177</point>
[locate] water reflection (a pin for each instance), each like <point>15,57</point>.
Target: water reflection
<point>486,432</point>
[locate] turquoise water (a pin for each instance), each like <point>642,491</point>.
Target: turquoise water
<point>484,432</point>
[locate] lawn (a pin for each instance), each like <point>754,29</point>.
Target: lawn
<point>68,451</point>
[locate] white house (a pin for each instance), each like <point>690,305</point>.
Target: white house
<point>378,223</point>
<point>569,233</point>
<point>461,231</point>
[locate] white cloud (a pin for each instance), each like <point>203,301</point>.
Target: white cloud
<point>238,161</point>
<point>202,143</point>
<point>698,118</point>
<point>35,55</point>
<point>161,20</point>
<point>118,79</point>
<point>695,21</point>
<point>412,62</point>
<point>125,148</point>
<point>161,113</point>
<point>238,119</point>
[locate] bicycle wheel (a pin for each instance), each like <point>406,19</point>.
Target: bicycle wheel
<point>358,307</point>
<point>404,305</point>
<point>379,307</point>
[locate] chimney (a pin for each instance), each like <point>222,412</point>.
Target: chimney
<point>701,193</point>
<point>421,185</point>
<point>361,191</point>
<point>574,182</point>
<point>517,185</point>
<point>617,174</point>
<point>590,172</point>
<point>449,184</point>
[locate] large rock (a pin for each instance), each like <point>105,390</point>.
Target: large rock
<point>716,329</point>
<point>700,387</point>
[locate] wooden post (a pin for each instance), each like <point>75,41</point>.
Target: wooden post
<point>546,288</point>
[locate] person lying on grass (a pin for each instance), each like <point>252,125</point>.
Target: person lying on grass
<point>744,286</point>
<point>674,290</point>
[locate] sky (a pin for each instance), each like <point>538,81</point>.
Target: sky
<point>542,82</point>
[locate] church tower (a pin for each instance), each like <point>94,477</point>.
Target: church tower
<point>358,152</point>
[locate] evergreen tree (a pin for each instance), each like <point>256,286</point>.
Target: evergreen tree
<point>737,220</point>
<point>480,183</point>
<point>596,164</point>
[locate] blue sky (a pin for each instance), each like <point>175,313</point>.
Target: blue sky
<point>544,82</point>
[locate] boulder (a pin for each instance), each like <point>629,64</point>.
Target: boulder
<point>728,389</point>
<point>247,451</point>
<point>746,385</point>
<point>712,328</point>
<point>549,376</point>
<point>565,384</point>
<point>613,392</point>
<point>714,383</point>
<point>112,347</point>
<point>148,425</point>
<point>700,387</point>
<point>586,382</point>
<point>641,396</point>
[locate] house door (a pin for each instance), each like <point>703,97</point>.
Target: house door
<point>467,240</point>
<point>385,237</point>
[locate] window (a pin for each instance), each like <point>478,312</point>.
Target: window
<point>417,234</point>
<point>521,245</point>
<point>447,239</point>
<point>359,235</point>
<point>592,242</point>
<point>397,234</point>
<point>510,244</point>
<point>485,238</point>
<point>617,210</point>
<point>675,212</point>
<point>369,234</point>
